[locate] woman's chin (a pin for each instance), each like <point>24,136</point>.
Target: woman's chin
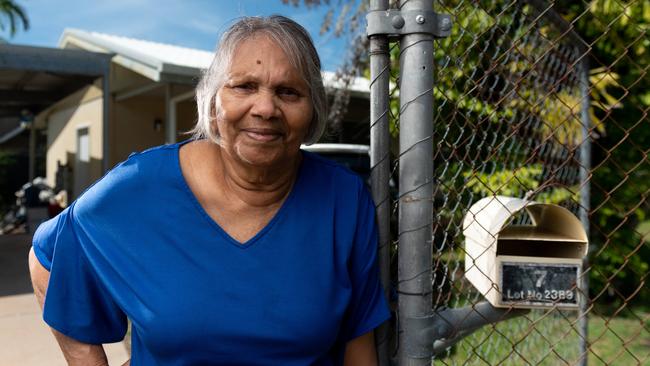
<point>262,156</point>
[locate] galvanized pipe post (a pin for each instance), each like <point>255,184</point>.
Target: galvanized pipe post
<point>585,207</point>
<point>380,164</point>
<point>415,187</point>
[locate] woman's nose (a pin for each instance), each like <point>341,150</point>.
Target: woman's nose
<point>265,105</point>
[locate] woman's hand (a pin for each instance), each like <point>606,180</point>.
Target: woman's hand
<point>361,351</point>
<point>75,352</point>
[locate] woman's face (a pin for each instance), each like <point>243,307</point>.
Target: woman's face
<point>264,108</point>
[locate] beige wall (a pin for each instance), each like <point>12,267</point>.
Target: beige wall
<point>185,117</point>
<point>132,119</point>
<point>132,129</point>
<point>79,110</point>
<point>133,126</point>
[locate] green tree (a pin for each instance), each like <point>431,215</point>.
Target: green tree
<point>617,32</point>
<point>11,16</point>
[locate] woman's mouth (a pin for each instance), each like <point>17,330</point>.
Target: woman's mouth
<point>263,134</point>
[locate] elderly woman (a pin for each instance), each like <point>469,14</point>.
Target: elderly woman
<point>233,248</point>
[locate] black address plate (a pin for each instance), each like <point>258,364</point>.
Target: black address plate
<point>539,284</point>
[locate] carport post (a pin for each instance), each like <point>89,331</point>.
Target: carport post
<point>32,151</point>
<point>173,109</point>
<point>170,121</point>
<point>106,107</point>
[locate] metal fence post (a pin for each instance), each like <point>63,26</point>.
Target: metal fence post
<point>585,190</point>
<point>380,164</point>
<point>415,187</point>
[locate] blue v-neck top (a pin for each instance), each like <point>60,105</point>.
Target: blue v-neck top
<point>138,245</point>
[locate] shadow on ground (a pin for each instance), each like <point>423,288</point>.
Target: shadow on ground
<point>14,271</point>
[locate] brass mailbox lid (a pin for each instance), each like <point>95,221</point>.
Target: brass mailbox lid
<point>487,221</point>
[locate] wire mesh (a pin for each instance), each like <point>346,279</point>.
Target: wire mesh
<point>522,91</point>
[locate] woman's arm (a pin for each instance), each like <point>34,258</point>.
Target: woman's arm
<point>75,352</point>
<point>361,351</point>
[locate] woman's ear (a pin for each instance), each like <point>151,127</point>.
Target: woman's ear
<point>214,116</point>
<point>213,108</point>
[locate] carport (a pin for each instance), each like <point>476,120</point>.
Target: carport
<point>34,78</point>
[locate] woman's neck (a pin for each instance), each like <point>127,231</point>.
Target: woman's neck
<point>253,185</point>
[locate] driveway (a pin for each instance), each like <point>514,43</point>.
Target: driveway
<point>24,338</point>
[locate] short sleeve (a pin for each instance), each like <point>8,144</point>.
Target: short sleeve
<point>76,302</point>
<point>42,241</point>
<point>368,307</point>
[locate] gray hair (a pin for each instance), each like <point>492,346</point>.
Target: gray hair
<point>296,43</point>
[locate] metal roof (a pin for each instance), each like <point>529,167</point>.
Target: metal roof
<point>33,78</point>
<point>147,51</point>
<point>166,62</point>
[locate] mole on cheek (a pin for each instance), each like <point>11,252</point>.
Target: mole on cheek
<point>259,62</point>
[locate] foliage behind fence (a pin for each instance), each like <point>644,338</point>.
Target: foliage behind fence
<point>546,100</point>
<point>511,119</point>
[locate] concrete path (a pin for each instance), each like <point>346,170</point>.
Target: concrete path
<point>24,338</point>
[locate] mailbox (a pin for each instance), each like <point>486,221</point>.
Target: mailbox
<point>536,265</point>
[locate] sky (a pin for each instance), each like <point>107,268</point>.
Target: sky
<point>188,23</point>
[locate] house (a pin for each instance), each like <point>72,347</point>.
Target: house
<point>146,99</point>
<point>32,79</point>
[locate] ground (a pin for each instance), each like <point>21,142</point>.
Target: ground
<point>24,338</point>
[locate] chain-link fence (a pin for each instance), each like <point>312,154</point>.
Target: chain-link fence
<point>532,100</point>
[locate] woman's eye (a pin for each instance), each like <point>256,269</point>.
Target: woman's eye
<point>244,86</point>
<point>288,92</point>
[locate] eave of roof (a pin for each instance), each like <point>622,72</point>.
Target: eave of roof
<point>125,56</point>
<point>33,78</point>
<point>44,59</point>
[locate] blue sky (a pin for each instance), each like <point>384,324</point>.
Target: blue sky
<point>189,23</point>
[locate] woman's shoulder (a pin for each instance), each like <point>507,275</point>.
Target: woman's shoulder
<point>153,157</point>
<point>142,173</point>
<point>148,164</point>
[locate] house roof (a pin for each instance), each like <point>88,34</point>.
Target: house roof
<point>166,62</point>
<point>147,51</point>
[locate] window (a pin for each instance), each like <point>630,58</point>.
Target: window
<point>83,145</point>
